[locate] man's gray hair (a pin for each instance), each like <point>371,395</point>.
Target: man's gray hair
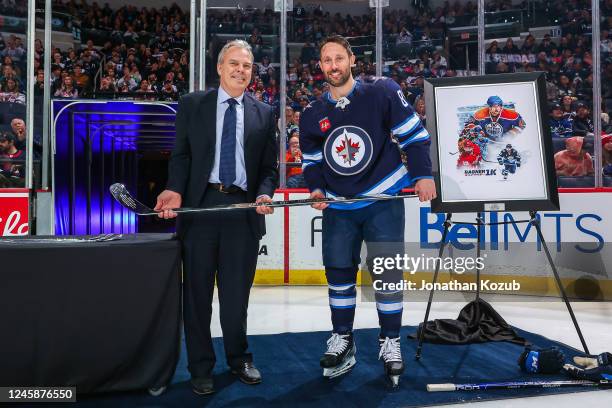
<point>235,43</point>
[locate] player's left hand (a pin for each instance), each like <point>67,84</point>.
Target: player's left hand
<point>264,210</point>
<point>425,189</point>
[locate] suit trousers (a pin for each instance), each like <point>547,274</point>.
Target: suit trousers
<point>217,246</point>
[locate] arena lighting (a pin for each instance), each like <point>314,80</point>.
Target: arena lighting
<point>114,128</point>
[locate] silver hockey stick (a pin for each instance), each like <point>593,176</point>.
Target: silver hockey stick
<point>514,384</point>
<point>123,196</point>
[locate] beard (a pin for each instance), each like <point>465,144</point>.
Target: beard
<point>338,82</point>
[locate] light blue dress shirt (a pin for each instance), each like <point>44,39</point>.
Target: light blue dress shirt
<point>241,179</point>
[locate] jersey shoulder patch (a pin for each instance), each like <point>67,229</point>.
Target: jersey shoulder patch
<point>509,114</point>
<point>481,113</point>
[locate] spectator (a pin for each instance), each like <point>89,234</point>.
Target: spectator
<point>67,90</point>
<point>127,80</point>
<point>107,86</point>
<point>510,48</point>
<point>12,162</point>
<point>419,108</point>
<point>560,126</point>
<point>81,79</point>
<point>574,160</point>
<point>18,128</point>
<point>293,124</point>
<point>583,124</point>
<point>295,178</point>
<point>546,46</point>
<point>9,92</point>
<point>168,91</point>
<point>39,85</point>
<point>288,117</point>
<point>567,103</point>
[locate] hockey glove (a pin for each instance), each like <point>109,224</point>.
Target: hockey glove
<point>593,368</point>
<point>518,164</point>
<point>542,361</point>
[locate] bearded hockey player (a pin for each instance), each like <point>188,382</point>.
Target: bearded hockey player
<point>348,151</point>
<point>510,159</point>
<point>496,120</point>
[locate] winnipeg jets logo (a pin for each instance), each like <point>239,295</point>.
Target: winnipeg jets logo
<point>342,102</point>
<point>348,150</point>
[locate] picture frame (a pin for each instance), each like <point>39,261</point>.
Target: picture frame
<point>491,141</point>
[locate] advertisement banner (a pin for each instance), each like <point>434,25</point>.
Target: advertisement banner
<point>14,213</point>
<point>294,238</point>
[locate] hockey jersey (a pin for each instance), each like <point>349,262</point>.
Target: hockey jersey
<point>560,127</point>
<point>470,154</point>
<point>496,127</point>
<point>509,157</point>
<point>351,146</point>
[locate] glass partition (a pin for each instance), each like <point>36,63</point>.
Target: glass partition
<point>13,98</point>
<point>554,38</point>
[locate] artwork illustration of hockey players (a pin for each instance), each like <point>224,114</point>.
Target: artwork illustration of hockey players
<point>348,151</point>
<point>498,121</point>
<point>510,159</point>
<point>469,154</point>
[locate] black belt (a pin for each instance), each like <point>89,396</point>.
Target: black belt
<point>225,189</point>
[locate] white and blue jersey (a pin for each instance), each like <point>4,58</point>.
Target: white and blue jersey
<point>350,146</point>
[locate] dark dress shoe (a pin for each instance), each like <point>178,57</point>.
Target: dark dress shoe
<point>202,385</point>
<point>247,373</point>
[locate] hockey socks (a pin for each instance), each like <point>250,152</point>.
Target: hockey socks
<point>389,306</point>
<point>342,298</point>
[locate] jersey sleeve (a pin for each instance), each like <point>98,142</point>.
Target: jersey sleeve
<point>312,152</point>
<point>407,129</point>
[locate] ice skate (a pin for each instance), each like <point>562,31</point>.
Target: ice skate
<point>391,355</point>
<point>340,355</point>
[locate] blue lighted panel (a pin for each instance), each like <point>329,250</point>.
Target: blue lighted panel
<point>98,119</point>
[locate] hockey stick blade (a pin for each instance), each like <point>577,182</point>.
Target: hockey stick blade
<point>123,196</point>
<point>512,385</point>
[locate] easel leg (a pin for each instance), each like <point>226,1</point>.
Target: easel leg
<point>534,221</point>
<point>447,224</point>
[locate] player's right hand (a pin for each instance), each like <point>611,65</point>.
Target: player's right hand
<point>167,200</point>
<point>318,206</point>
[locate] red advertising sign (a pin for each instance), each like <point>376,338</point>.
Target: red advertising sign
<point>14,205</point>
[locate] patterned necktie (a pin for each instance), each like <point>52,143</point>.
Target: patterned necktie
<point>227,158</point>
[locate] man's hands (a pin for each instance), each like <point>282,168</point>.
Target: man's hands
<point>425,189</point>
<point>167,200</point>
<point>264,210</point>
<point>318,206</point>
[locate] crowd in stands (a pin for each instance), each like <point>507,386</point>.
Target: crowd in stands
<point>142,53</point>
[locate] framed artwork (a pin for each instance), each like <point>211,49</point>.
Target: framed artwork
<point>492,143</point>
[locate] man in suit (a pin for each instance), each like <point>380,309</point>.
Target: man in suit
<point>231,162</point>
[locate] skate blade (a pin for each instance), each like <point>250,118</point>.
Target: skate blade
<point>338,371</point>
<point>394,381</point>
